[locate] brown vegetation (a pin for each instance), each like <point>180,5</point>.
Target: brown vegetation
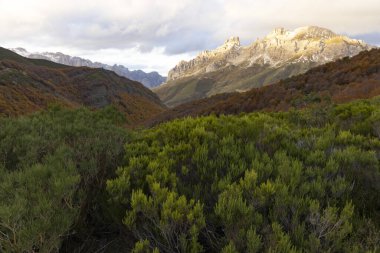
<point>27,86</point>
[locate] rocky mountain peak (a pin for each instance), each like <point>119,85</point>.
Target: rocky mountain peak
<point>278,32</point>
<point>302,33</point>
<point>313,32</point>
<point>311,45</point>
<point>231,42</point>
<point>21,51</point>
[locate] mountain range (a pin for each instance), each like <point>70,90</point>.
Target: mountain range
<point>223,80</point>
<point>341,81</point>
<point>28,85</point>
<point>236,68</point>
<point>150,80</point>
<point>300,174</point>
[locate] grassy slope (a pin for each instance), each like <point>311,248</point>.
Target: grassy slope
<point>229,79</point>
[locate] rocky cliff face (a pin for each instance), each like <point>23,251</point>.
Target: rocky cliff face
<point>303,45</point>
<point>150,80</point>
<point>236,68</point>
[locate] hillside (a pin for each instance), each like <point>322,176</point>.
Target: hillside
<point>28,85</point>
<point>341,81</point>
<point>236,68</point>
<point>150,80</point>
<point>301,181</point>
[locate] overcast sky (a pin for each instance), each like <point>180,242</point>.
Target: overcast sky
<point>156,34</point>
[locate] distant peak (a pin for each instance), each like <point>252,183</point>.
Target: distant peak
<point>302,33</point>
<point>314,32</point>
<point>279,31</point>
<point>20,49</point>
<point>232,41</point>
<point>315,29</point>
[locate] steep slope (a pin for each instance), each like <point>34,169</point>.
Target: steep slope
<point>27,85</point>
<point>233,67</point>
<point>336,82</point>
<point>150,80</point>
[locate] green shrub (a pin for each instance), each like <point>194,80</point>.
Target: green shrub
<point>53,166</point>
<point>267,182</point>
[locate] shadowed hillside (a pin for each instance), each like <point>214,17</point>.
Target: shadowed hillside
<point>28,85</point>
<point>341,81</point>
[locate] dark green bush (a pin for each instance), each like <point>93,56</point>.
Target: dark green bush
<point>53,167</point>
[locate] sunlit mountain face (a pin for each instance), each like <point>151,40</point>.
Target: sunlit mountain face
<point>236,68</point>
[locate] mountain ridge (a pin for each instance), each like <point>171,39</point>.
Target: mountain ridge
<point>279,38</point>
<point>233,67</point>
<point>341,81</point>
<point>29,85</point>
<point>150,80</point>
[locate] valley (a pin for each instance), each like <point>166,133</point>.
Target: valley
<point>268,147</point>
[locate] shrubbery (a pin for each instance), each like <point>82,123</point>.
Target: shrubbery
<point>302,181</point>
<point>297,181</point>
<point>52,166</point>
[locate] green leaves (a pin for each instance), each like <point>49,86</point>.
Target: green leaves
<point>232,209</point>
<point>329,227</point>
<point>169,221</point>
<point>53,168</point>
<point>265,182</point>
<point>37,204</point>
<point>285,182</point>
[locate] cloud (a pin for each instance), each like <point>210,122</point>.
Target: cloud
<point>109,24</point>
<point>169,29</point>
<point>133,58</point>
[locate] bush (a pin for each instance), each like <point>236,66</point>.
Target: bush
<point>280,182</point>
<point>53,166</point>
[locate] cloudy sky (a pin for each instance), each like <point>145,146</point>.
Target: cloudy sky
<point>156,34</point>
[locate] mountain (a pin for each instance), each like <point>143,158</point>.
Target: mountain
<point>341,81</point>
<point>233,67</point>
<point>28,85</point>
<point>150,80</point>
